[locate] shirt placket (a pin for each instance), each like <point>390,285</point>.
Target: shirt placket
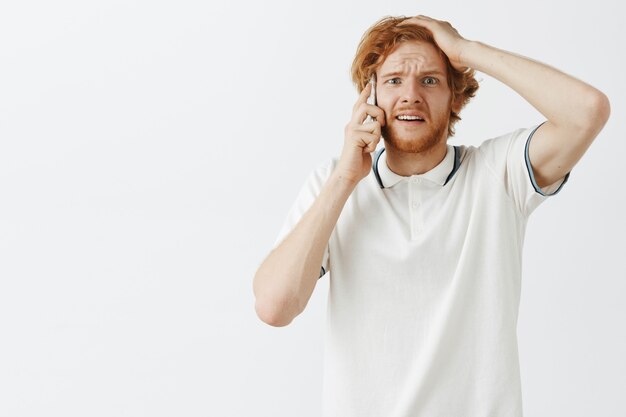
<point>415,207</point>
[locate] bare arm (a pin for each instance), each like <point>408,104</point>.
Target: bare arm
<point>284,282</point>
<point>575,111</point>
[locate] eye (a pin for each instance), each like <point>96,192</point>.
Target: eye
<point>433,79</point>
<point>389,81</point>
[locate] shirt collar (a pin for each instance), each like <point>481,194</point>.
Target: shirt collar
<point>438,175</point>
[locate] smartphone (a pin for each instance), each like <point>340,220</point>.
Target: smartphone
<point>372,98</point>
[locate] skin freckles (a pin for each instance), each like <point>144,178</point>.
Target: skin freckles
<point>413,78</point>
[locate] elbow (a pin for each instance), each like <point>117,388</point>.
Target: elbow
<point>273,309</point>
<point>603,106</point>
<point>273,314</point>
<point>600,110</point>
<point>596,113</point>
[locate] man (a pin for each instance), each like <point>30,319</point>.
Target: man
<point>424,240</point>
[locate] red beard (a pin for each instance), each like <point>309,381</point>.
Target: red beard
<point>415,139</point>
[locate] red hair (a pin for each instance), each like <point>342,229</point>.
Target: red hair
<point>384,36</point>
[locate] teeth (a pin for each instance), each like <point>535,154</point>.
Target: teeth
<point>409,118</point>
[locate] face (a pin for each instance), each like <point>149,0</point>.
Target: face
<point>412,82</point>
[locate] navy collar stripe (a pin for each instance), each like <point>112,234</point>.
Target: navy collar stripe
<point>457,164</point>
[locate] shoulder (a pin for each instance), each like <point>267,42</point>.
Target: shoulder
<point>503,143</point>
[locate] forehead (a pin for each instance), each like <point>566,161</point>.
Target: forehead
<point>417,54</point>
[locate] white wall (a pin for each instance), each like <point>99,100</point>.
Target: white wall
<point>149,152</point>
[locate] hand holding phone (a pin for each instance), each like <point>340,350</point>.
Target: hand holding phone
<point>362,134</point>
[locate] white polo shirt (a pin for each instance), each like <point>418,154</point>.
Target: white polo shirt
<point>424,290</point>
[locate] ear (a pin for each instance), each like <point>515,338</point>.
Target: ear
<point>457,103</point>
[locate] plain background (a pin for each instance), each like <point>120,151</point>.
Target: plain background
<point>150,151</point>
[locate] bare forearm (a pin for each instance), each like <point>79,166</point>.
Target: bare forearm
<point>561,98</point>
<point>285,281</point>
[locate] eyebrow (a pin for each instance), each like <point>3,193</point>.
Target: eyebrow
<point>430,71</point>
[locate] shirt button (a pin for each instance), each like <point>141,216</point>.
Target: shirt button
<point>415,204</point>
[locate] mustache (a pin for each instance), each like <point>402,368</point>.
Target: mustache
<point>416,109</point>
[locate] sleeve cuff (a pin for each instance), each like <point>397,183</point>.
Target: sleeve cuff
<point>322,272</point>
<point>550,189</point>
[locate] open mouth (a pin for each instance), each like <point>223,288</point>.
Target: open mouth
<point>410,120</point>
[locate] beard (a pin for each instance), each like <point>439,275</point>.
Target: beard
<point>418,139</point>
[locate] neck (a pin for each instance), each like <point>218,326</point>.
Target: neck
<point>407,164</point>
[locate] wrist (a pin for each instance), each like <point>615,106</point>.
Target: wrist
<point>466,52</point>
<point>479,56</point>
<point>343,181</point>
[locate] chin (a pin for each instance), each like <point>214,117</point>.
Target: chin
<point>416,143</point>
<point>423,139</point>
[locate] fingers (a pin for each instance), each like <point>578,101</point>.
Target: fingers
<point>364,109</point>
<point>362,97</point>
<point>420,20</point>
<point>371,140</point>
<point>371,127</point>
<point>365,135</point>
<point>411,20</point>
<point>363,140</point>
<point>417,18</point>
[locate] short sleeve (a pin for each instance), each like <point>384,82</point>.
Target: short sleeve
<point>309,191</point>
<point>507,157</point>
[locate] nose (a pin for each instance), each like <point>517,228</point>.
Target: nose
<point>412,92</point>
